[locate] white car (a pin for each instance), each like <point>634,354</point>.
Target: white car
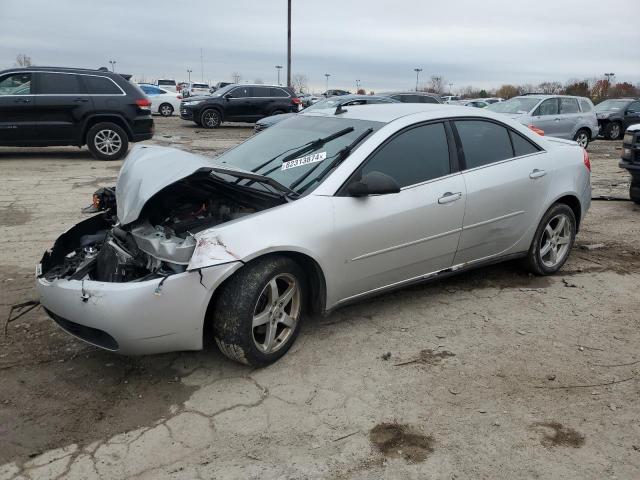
<point>195,89</point>
<point>163,101</point>
<point>167,84</point>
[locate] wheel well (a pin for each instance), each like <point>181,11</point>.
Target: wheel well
<point>574,204</point>
<point>317,288</point>
<point>113,119</point>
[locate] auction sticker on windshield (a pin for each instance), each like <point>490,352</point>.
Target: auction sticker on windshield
<point>306,160</point>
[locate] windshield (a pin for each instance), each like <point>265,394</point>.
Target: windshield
<point>327,103</point>
<point>515,105</point>
<point>223,90</point>
<point>284,139</point>
<point>611,105</point>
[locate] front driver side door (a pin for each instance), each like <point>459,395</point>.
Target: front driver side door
<point>385,240</point>
<point>18,111</point>
<point>239,104</point>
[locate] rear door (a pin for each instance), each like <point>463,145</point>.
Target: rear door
<point>506,178</point>
<point>18,114</point>
<point>388,239</point>
<point>63,103</point>
<point>547,117</point>
<point>570,117</point>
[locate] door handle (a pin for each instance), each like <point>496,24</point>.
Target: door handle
<point>537,173</point>
<point>81,100</point>
<point>22,100</point>
<point>449,197</point>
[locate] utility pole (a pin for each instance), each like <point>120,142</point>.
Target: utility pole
<point>113,65</point>
<point>450,88</point>
<point>357,85</point>
<point>289,43</point>
<point>327,75</point>
<point>201,67</point>
<point>278,68</point>
<point>189,73</point>
<point>417,70</point>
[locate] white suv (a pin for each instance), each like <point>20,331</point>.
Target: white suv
<point>195,89</point>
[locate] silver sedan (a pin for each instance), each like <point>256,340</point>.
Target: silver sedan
<point>321,210</point>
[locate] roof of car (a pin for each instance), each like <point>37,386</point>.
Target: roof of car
<point>428,94</point>
<point>547,95</point>
<point>60,69</point>
<point>388,112</point>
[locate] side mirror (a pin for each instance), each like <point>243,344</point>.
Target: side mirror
<point>373,183</point>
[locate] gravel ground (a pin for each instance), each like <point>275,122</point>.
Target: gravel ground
<point>491,374</point>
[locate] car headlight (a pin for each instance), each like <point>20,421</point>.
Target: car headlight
<point>192,102</point>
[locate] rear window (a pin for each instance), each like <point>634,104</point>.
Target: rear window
<point>59,84</point>
<point>101,85</point>
<point>483,142</point>
<point>522,146</point>
<point>427,99</point>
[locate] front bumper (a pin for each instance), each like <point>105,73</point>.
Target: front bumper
<point>186,113</point>
<point>135,318</point>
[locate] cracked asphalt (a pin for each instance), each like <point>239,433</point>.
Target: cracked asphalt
<point>491,374</point>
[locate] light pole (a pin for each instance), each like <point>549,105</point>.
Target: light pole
<point>417,70</point>
<point>327,75</point>
<point>357,85</point>
<point>278,68</point>
<point>289,43</point>
<point>189,74</point>
<point>113,65</point>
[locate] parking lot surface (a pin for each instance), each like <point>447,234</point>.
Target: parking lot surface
<point>491,374</point>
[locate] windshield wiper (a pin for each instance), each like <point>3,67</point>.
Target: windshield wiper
<point>254,177</point>
<point>312,145</point>
<point>340,156</point>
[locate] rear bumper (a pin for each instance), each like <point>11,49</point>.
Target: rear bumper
<point>135,318</point>
<point>142,128</point>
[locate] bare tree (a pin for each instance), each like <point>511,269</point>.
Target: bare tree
<point>258,81</point>
<point>300,82</point>
<point>550,88</point>
<point>236,76</point>
<point>23,60</point>
<point>507,91</point>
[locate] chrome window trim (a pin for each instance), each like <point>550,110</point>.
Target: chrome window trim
<point>123,94</point>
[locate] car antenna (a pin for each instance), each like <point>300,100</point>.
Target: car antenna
<point>340,110</point>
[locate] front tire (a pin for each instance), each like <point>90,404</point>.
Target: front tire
<point>613,131</point>
<point>211,118</point>
<point>107,141</point>
<point>166,110</point>
<point>553,241</point>
<point>582,138</point>
<point>258,313</point>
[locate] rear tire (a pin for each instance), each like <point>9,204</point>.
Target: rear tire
<point>259,311</point>
<point>166,109</point>
<point>553,241</point>
<point>634,192</point>
<point>211,118</point>
<point>107,141</point>
<point>613,131</point>
<point>582,138</point>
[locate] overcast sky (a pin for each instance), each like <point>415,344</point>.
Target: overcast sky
<point>468,42</point>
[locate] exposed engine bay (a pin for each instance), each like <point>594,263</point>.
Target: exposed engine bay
<point>160,242</point>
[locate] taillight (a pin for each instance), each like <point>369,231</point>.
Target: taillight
<point>537,130</point>
<point>585,159</point>
<point>143,102</point>
<point>296,100</point>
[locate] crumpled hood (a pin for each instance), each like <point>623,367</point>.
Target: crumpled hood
<point>149,169</point>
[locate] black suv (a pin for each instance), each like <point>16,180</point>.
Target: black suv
<point>239,103</point>
<point>52,106</point>
<point>616,115</point>
<point>631,160</point>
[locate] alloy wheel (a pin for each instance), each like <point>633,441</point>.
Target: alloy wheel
<point>276,313</point>
<point>210,119</point>
<point>108,142</point>
<point>582,139</point>
<point>615,131</point>
<point>555,241</point>
<point>166,110</point>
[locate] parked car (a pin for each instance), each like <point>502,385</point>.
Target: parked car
<point>53,106</point>
<point>562,116</point>
<point>181,85</point>
<point>616,115</point>
<point>631,160</point>
<point>218,86</point>
<point>333,102</point>
<point>475,103</point>
<point>335,93</point>
<point>312,214</point>
<point>450,98</point>
<point>163,101</point>
<point>239,103</point>
<point>167,84</point>
<point>492,100</point>
<point>413,97</point>
<point>195,89</point>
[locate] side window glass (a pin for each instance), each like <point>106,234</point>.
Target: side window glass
<point>277,92</point>
<point>260,92</point>
<point>569,105</point>
<point>427,99</point>
<point>522,146</point>
<point>634,108</point>
<point>16,84</point>
<point>242,92</point>
<point>483,142</point>
<point>100,85</point>
<point>59,84</point>
<point>585,106</point>
<point>413,156</point>
<point>548,107</point>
